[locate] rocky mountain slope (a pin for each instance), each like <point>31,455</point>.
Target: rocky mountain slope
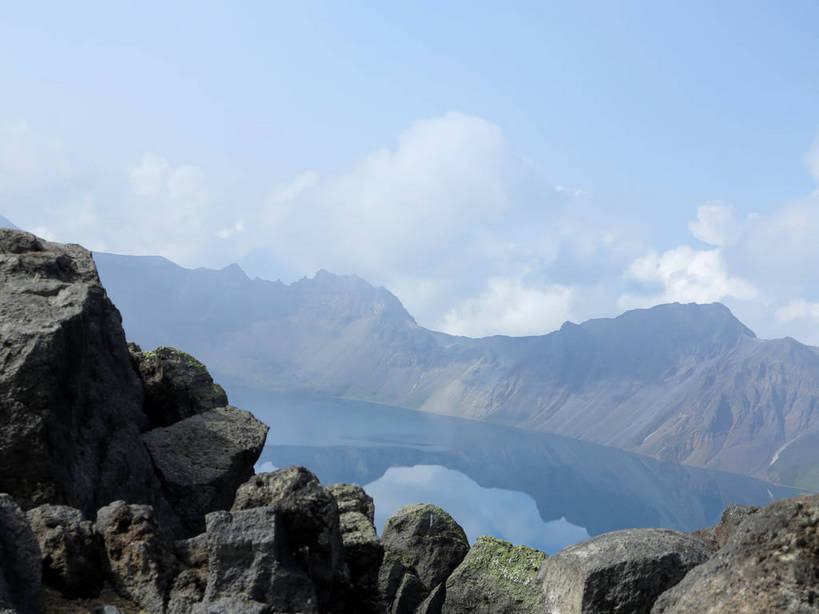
<point>127,475</point>
<point>685,383</point>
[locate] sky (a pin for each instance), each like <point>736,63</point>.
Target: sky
<point>500,167</point>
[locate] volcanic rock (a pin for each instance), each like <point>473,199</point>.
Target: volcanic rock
<point>20,565</point>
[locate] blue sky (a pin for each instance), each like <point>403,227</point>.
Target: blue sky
<point>501,167</point>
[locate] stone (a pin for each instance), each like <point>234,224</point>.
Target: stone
<point>410,594</point>
<point>732,517</point>
<point>203,459</point>
<point>72,552</point>
<point>189,586</point>
<point>140,559</point>
<point>770,564</point>
<point>362,549</point>
<point>622,571</point>
<point>70,400</point>
<point>495,577</point>
<point>309,515</point>
<point>175,385</point>
<point>250,566</point>
<point>20,564</point>
<point>434,602</point>
<point>426,540</point>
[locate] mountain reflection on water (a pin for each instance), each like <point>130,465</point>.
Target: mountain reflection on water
<point>529,488</point>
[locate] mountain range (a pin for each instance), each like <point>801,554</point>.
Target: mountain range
<point>685,383</point>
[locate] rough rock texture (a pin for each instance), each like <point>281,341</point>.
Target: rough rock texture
<point>72,552</point>
<point>732,517</point>
<point>362,549</point>
<point>70,400</point>
<point>175,385</point>
<point>189,586</point>
<point>202,460</point>
<point>422,546</point>
<point>770,564</point>
<point>622,571</point>
<point>250,566</point>
<point>309,515</point>
<point>495,577</point>
<point>20,566</point>
<point>140,560</point>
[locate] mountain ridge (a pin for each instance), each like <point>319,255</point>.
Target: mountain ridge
<point>686,383</point>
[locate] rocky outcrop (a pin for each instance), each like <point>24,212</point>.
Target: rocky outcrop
<point>622,571</point>
<point>731,518</point>
<point>770,564</point>
<point>203,459</point>
<point>309,516</point>
<point>139,556</point>
<point>495,578</point>
<point>362,549</point>
<point>175,385</point>
<point>20,567</point>
<point>422,546</point>
<point>70,400</point>
<point>71,549</point>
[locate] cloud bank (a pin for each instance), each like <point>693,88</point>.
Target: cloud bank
<point>450,218</point>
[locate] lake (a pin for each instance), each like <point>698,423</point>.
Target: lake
<point>537,489</point>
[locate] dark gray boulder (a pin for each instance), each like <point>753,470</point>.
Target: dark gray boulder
<point>189,586</point>
<point>622,571</point>
<point>362,549</point>
<point>139,556</point>
<point>203,459</point>
<point>72,552</point>
<point>423,542</point>
<point>495,577</point>
<point>250,567</point>
<point>309,515</point>
<point>70,400</point>
<point>732,517</point>
<point>175,385</point>
<point>770,564</point>
<point>20,565</point>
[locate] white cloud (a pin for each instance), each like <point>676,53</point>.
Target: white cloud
<point>797,309</point>
<point>510,306</point>
<point>717,224</point>
<point>684,275</point>
<point>149,176</point>
<point>238,227</point>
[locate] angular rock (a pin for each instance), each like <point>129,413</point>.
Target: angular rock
<point>189,586</point>
<point>434,602</point>
<point>202,460</point>
<point>70,400</point>
<point>622,571</point>
<point>250,567</point>
<point>770,564</point>
<point>423,541</point>
<point>362,549</point>
<point>20,565</point>
<point>72,552</point>
<point>309,515</point>
<point>140,559</point>
<point>410,594</point>
<point>495,577</point>
<point>427,540</point>
<point>175,385</point>
<point>732,517</point>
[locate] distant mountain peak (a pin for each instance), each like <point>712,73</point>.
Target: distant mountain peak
<point>6,223</point>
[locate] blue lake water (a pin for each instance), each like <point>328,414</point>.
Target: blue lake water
<point>529,488</point>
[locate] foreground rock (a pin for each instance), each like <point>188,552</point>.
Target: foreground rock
<point>309,515</point>
<point>20,566</point>
<point>422,546</point>
<point>250,567</point>
<point>70,400</point>
<point>732,517</point>
<point>495,578</point>
<point>622,571</point>
<point>140,560</point>
<point>362,549</point>
<point>202,460</point>
<point>71,549</point>
<point>770,564</point>
<point>175,385</point>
